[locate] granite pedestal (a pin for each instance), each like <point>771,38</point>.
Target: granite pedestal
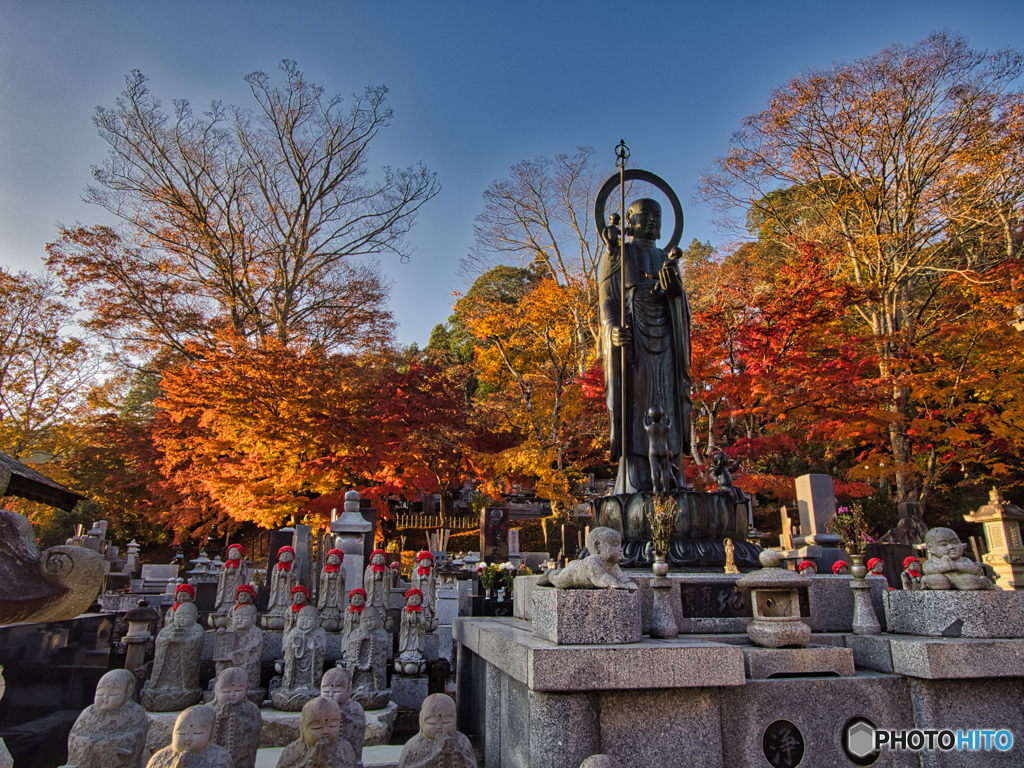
<point>586,616</point>
<point>409,692</point>
<point>951,613</point>
<point>812,661</point>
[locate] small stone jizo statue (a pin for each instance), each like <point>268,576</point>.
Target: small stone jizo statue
<point>238,722</point>
<point>911,576</point>
<point>283,579</point>
<point>192,744</point>
<point>600,570</point>
<point>183,593</point>
<point>337,685</point>
<point>807,568</point>
<point>331,595</point>
<point>377,581</point>
<point>300,599</point>
<point>366,653</point>
<point>319,744</point>
<point>425,580</point>
<point>730,557</point>
<point>234,574</point>
<point>438,744</point>
<point>840,568</point>
<point>416,625</point>
<point>947,568</point>
<point>174,681</point>
<point>110,732</point>
<point>304,646</point>
<point>876,566</point>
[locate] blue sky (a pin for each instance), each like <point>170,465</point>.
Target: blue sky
<point>475,86</point>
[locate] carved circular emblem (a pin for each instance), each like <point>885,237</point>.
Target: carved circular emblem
<point>636,174</point>
<point>859,741</point>
<point>783,744</point>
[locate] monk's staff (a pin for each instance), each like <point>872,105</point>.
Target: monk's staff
<point>621,155</point>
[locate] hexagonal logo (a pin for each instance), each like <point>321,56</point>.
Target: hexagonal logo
<point>859,741</point>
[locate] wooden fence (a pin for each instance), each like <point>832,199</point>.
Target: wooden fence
<point>463,523</point>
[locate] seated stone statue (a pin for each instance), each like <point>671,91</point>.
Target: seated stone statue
<point>174,682</point>
<point>337,685</point>
<point>304,648</point>
<point>598,571</point>
<point>600,761</point>
<point>946,568</point>
<point>319,744</point>
<point>192,744</point>
<point>416,625</point>
<point>438,744</point>
<point>238,723</point>
<point>110,732</point>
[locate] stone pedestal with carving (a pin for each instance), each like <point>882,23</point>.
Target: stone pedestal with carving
<point>586,616</point>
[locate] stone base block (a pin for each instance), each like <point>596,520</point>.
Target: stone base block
<point>279,728</point>
<point>870,652</point>
<point>983,614</point>
<point>586,616</point>
<point>379,725</point>
<point>408,692</point>
<point>962,705</point>
<point>767,721</point>
<point>522,597</point>
<point>812,661</point>
<point>941,659</point>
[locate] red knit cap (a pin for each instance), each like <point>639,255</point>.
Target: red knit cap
<point>839,564</point>
<point>806,564</point>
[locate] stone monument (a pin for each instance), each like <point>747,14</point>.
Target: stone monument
<point>946,568</point>
<point>303,648</point>
<point>1001,521</point>
<point>337,685</point>
<point>174,681</point>
<point>350,529</point>
<point>111,732</point>
<point>192,744</point>
<point>238,720</point>
<point>438,744</point>
<point>234,574</point>
<point>283,579</point>
<point>320,744</point>
<point>816,501</point>
<point>330,600</point>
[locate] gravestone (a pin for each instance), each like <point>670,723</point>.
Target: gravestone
<point>817,503</point>
<point>513,546</point>
<point>494,534</point>
<point>304,555</point>
<point>159,572</point>
<point>570,541</point>
<point>369,514</point>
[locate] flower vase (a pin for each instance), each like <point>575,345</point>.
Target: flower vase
<point>857,567</point>
<point>660,566</point>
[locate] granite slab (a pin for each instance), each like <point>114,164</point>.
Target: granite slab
<point>586,616</point>
<point>952,659</point>
<point>812,661</point>
<point>409,692</point>
<point>683,662</point>
<point>987,614</point>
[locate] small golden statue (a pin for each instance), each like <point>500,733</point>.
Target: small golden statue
<point>730,556</point>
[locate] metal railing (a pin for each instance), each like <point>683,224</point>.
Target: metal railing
<point>436,521</point>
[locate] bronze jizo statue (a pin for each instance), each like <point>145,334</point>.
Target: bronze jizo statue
<point>646,316</point>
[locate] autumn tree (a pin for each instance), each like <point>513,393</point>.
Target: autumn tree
<point>908,161</point>
<point>263,221</point>
<point>45,369</point>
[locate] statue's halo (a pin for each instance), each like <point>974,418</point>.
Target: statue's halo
<point>637,174</point>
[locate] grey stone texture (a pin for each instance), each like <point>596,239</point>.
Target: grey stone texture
<point>408,692</point>
<point>941,659</point>
<point>979,614</point>
<point>819,707</point>
<point>677,663</point>
<point>870,652</point>
<point>961,705</point>
<point>319,744</point>
<point>238,729</point>
<point>438,744</point>
<point>816,661</point>
<point>522,597</point>
<point>174,682</point>
<point>586,616</point>
<point>379,725</point>
<point>831,603</point>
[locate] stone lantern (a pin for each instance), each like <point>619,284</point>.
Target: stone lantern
<point>201,573</point>
<point>775,598</point>
<point>140,620</point>
<point>1001,520</point>
<point>349,530</point>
